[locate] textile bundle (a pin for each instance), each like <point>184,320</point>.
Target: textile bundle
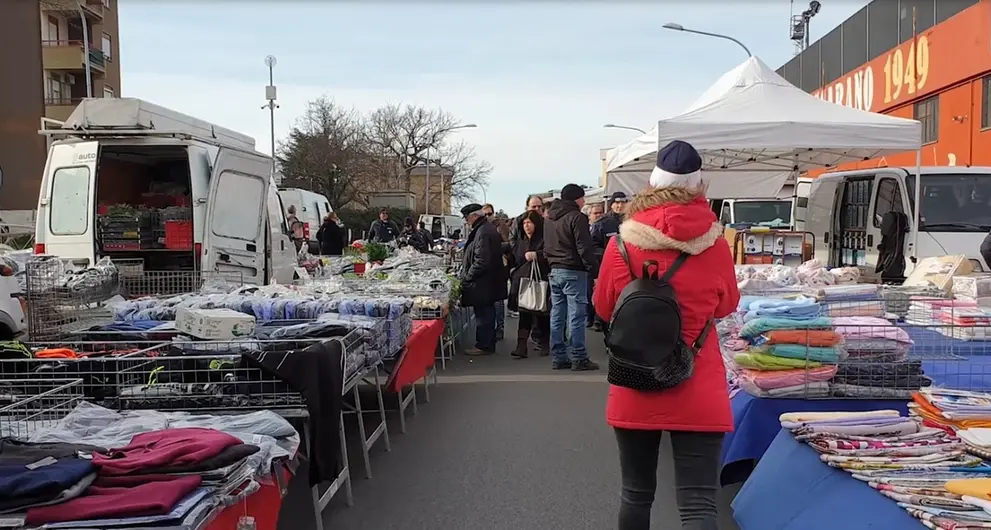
<point>931,463</point>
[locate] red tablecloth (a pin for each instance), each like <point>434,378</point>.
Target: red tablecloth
<point>263,505</point>
<point>418,356</point>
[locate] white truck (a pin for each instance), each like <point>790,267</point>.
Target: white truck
<point>113,152</point>
<point>311,208</point>
<point>844,212</point>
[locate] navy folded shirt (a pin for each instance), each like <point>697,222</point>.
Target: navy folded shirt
<point>42,479</point>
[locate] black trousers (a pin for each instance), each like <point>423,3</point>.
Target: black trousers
<point>539,325</point>
<point>696,477</point>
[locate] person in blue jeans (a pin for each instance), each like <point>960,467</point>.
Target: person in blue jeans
<point>571,255</point>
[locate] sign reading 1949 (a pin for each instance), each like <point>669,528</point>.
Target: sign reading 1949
<point>904,73</point>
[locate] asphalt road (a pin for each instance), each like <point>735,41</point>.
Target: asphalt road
<point>503,444</point>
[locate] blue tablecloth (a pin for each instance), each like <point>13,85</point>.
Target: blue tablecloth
<point>931,344</point>
<point>755,424</point>
<point>791,489</point>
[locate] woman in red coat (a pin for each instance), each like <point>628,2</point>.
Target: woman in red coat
<point>670,217</point>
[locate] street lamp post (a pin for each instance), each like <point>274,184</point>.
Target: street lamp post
<point>270,95</point>
<point>679,27</point>
<point>614,126</point>
<point>426,179</point>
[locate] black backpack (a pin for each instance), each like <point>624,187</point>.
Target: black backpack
<point>646,351</point>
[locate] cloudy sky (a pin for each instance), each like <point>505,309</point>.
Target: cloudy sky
<point>539,78</point>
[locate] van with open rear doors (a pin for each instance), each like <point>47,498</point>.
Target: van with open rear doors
<point>135,181</point>
<point>845,209</point>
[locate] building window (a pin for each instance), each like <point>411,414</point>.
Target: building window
<point>106,4</point>
<point>986,102</point>
<point>108,91</point>
<point>56,90</point>
<point>53,36</point>
<point>927,112</point>
<point>107,47</point>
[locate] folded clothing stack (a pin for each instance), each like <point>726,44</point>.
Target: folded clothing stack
<point>159,477</point>
<point>951,409</point>
<point>876,365</point>
<point>850,300</point>
<point>784,348</point>
<point>929,472</point>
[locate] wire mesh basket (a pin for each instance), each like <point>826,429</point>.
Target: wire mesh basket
<point>27,406</point>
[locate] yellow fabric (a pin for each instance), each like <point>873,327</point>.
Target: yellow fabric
<point>817,416</point>
<point>975,487</point>
<point>763,361</point>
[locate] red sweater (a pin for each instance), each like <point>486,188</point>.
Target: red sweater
<point>168,448</point>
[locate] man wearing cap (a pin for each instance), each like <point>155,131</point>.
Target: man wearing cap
<point>571,254</point>
<point>483,277</point>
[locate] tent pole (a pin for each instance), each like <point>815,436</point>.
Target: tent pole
<point>918,203</point>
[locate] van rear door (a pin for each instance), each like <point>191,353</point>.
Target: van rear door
<point>67,216</point>
<point>234,236</point>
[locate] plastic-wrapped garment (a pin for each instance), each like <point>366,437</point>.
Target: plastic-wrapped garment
<point>786,378</point>
<point>185,345</point>
<point>818,389</point>
<point>846,274</point>
<point>798,308</point>
<point>873,308</point>
<point>762,325</point>
<point>869,327</point>
<point>972,286</point>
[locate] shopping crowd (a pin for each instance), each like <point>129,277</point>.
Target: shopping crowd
<point>542,266</point>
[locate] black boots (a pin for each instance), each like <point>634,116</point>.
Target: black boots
<point>522,336</point>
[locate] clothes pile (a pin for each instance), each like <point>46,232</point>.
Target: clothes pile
<point>791,350</point>
<point>850,300</point>
<point>99,469</point>
<point>877,364</point>
<point>961,319</point>
<point>928,471</point>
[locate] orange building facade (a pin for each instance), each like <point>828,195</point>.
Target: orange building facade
<point>940,75</point>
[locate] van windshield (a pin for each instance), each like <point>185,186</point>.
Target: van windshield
<point>768,213</point>
<point>953,202</point>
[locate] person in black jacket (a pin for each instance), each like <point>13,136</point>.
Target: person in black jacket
<point>331,236</point>
<point>383,229</point>
<point>533,204</point>
<point>571,256</point>
<point>525,254</point>
<point>603,228</point>
<point>483,277</point>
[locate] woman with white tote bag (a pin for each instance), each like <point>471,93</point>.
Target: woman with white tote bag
<point>529,292</point>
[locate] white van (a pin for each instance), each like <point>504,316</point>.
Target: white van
<point>127,153</point>
<point>311,208</point>
<point>800,202</point>
<point>775,213</point>
<point>845,209</point>
<point>444,226</point>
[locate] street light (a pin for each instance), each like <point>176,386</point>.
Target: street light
<point>679,27</point>
<point>614,126</point>
<point>270,95</point>
<point>426,179</point>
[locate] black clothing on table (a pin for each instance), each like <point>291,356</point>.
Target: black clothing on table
<point>16,452</point>
<point>316,372</point>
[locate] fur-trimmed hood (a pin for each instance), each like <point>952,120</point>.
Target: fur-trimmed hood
<point>668,219</point>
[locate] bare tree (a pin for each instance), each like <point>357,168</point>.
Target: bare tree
<point>327,152</point>
<point>406,133</point>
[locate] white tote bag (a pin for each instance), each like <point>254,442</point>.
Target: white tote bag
<point>534,292</point>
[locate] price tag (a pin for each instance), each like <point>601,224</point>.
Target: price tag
<point>302,273</point>
<point>47,461</point>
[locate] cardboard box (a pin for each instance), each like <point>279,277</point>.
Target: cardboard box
<point>214,324</point>
<point>939,271</point>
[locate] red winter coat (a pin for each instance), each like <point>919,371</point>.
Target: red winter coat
<point>706,288</point>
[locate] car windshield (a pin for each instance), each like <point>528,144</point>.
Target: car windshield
<point>953,202</point>
<point>769,213</point>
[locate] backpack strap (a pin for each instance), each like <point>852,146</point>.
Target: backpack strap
<point>621,245</point>
<point>674,267</point>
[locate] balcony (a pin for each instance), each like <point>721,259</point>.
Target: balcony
<point>60,108</point>
<point>70,55</point>
<point>70,9</point>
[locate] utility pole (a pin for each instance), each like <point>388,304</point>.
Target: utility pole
<point>89,72</point>
<point>270,95</point>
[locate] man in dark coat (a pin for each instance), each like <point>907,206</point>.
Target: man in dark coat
<point>483,277</point>
<point>571,255</point>
<point>603,229</point>
<point>383,229</point>
<point>533,204</point>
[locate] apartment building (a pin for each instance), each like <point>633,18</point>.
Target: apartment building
<point>49,77</point>
<point>66,27</point>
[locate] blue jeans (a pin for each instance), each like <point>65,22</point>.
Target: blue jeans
<point>485,327</point>
<point>569,300</point>
<point>500,315</point>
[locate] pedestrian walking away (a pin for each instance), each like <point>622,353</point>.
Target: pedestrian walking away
<point>483,277</point>
<point>331,236</point>
<point>671,229</point>
<point>571,256</point>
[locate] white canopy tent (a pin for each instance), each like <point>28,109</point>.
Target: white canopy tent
<point>755,131</point>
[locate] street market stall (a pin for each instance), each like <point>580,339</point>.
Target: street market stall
<point>755,131</point>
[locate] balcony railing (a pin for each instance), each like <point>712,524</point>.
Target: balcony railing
<point>61,58</point>
<point>70,8</point>
<point>52,102</point>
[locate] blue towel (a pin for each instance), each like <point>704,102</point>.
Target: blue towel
<point>762,325</point>
<point>803,308</point>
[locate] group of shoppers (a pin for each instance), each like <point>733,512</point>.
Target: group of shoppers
<point>330,236</point>
<point>669,228</point>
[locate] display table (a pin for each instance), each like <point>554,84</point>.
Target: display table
<point>791,489</point>
<point>755,424</point>
<point>416,359</point>
<point>263,505</point>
